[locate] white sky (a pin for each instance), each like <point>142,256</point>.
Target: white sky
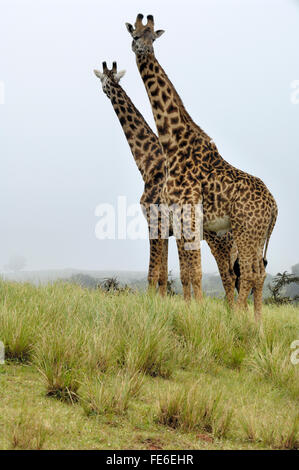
<point>62,148</point>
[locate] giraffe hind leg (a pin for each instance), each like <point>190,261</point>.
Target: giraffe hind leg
<point>251,279</point>
<point>224,251</point>
<point>238,273</point>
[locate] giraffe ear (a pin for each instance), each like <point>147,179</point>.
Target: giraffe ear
<point>99,74</point>
<point>159,33</point>
<point>119,75</point>
<point>130,28</point>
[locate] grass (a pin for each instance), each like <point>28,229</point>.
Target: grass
<point>110,395</point>
<point>87,369</point>
<point>27,432</point>
<point>194,409</point>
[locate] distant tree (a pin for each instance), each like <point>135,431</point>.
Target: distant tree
<point>16,263</point>
<point>280,282</point>
<point>111,284</point>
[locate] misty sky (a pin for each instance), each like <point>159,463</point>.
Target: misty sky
<point>63,151</point>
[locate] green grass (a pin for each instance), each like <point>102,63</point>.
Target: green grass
<point>89,370</point>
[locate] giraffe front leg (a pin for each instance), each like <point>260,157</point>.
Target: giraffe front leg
<point>194,262</point>
<point>191,250</point>
<point>184,270</point>
<point>156,248</point>
<point>191,275</point>
<point>163,275</point>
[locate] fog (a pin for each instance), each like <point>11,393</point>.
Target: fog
<point>63,151</point>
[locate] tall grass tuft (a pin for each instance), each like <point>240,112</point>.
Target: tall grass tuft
<point>142,338</point>
<point>18,335</point>
<point>273,364</point>
<point>194,409</point>
<point>150,347</point>
<point>290,439</point>
<point>110,394</point>
<point>27,432</point>
<point>58,357</point>
<point>275,432</point>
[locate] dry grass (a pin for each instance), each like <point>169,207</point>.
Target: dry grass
<point>28,431</point>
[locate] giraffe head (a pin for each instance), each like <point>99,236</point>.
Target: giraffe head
<point>143,35</point>
<point>109,78</point>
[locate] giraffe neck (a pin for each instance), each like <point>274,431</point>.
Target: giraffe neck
<point>178,133</point>
<point>139,135</point>
<point>165,101</point>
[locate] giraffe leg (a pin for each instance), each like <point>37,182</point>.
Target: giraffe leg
<point>191,248</point>
<point>184,270</point>
<point>163,275</point>
<point>245,288</point>
<point>245,252</point>
<point>250,234</point>
<point>258,299</point>
<point>224,251</point>
<point>229,283</point>
<point>156,248</point>
<point>194,262</point>
<point>252,275</point>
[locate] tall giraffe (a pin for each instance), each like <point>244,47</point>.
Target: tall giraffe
<point>197,174</point>
<point>150,160</point>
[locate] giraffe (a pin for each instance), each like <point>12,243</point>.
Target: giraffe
<point>150,160</point>
<point>197,174</point>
